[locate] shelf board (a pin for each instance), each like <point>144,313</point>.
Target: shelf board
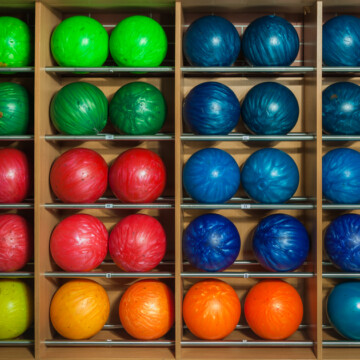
<point>246,275</point>
<point>112,137</point>
<point>109,342</point>
<point>17,138</point>
<point>109,70</point>
<point>248,69</point>
<point>109,275</point>
<point>248,137</point>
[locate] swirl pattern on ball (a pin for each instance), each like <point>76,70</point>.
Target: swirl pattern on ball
<point>341,109</point>
<point>270,41</point>
<point>211,176</point>
<point>341,176</point>
<point>270,176</point>
<point>211,41</point>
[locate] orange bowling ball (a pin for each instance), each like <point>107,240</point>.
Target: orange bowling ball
<point>79,309</point>
<point>273,309</point>
<point>211,309</point>
<point>146,309</point>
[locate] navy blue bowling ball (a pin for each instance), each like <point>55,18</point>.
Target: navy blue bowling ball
<point>211,41</point>
<point>341,41</point>
<point>211,108</point>
<point>341,176</point>
<point>270,108</point>
<point>270,176</point>
<point>341,109</point>
<point>270,41</point>
<point>281,243</point>
<point>211,176</point>
<point>342,242</point>
<point>211,242</point>
<point>343,309</point>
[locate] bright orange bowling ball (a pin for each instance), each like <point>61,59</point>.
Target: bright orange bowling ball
<point>273,309</point>
<point>211,309</point>
<point>146,309</point>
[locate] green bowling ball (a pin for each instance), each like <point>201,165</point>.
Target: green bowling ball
<point>138,41</point>
<point>79,109</point>
<point>138,108</point>
<point>80,41</point>
<point>16,308</point>
<point>14,109</point>
<point>15,42</point>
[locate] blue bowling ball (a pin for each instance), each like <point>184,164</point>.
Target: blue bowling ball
<point>211,41</point>
<point>211,242</point>
<point>211,176</point>
<point>341,109</point>
<point>341,41</point>
<point>270,176</point>
<point>211,108</point>
<point>281,243</point>
<point>343,309</point>
<point>270,108</point>
<point>341,176</point>
<point>342,242</point>
<point>270,41</point>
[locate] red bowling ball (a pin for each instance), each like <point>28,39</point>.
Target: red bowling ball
<point>79,176</point>
<point>137,243</point>
<point>14,176</point>
<point>137,176</point>
<point>79,243</point>
<point>16,242</point>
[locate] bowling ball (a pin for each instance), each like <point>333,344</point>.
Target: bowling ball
<point>211,309</point>
<point>79,176</point>
<point>211,41</point>
<point>80,41</point>
<point>137,243</point>
<point>270,41</point>
<point>79,243</point>
<point>138,41</point>
<point>16,242</point>
<point>146,309</point>
<point>211,242</point>
<point>273,309</point>
<point>211,176</point>
<point>79,309</point>
<point>137,176</point>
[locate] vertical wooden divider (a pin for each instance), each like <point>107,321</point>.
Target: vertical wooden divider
<point>178,178</point>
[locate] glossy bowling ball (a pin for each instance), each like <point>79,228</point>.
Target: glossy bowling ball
<point>146,309</point>
<point>16,242</point>
<point>138,41</point>
<point>211,108</point>
<point>79,243</point>
<point>79,108</point>
<point>211,309</point>
<point>80,41</point>
<point>137,243</point>
<point>14,109</point>
<point>280,243</point>
<point>16,308</point>
<point>341,176</point>
<point>341,109</point>
<point>16,47</point>
<point>270,176</point>
<point>79,309</point>
<point>211,176</point>
<point>211,41</point>
<point>270,108</point>
<point>14,176</point>
<point>138,108</point>
<point>342,242</point>
<point>341,41</point>
<point>211,242</point>
<point>137,176</point>
<point>273,309</point>
<point>343,309</point>
<point>270,41</point>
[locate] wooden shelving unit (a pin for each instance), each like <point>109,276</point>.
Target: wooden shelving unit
<point>306,144</point>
